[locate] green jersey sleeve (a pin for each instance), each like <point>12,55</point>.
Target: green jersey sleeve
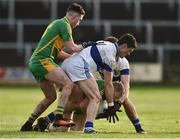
<point>66,31</point>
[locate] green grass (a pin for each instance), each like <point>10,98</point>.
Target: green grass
<point>158,108</point>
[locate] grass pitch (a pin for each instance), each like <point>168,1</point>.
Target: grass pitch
<point>158,108</point>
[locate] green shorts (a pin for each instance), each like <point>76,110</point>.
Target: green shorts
<point>40,67</point>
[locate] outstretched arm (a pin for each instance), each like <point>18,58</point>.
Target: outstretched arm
<point>128,105</point>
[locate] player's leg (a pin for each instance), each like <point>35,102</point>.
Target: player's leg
<point>79,118</point>
<point>68,117</point>
<point>74,100</point>
<point>79,115</point>
<point>59,76</point>
<point>44,122</point>
<point>128,106</point>
<point>77,103</point>
<point>78,71</point>
<point>50,95</point>
<point>132,115</point>
<point>90,89</point>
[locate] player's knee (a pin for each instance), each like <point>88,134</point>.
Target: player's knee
<point>96,98</point>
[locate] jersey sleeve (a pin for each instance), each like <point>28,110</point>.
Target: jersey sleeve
<point>66,32</point>
<point>123,66</point>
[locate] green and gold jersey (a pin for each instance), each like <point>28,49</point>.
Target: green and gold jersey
<point>52,40</point>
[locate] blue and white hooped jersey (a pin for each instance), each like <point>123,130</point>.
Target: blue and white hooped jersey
<point>122,68</point>
<point>101,56</point>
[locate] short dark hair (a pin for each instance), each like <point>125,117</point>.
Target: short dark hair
<point>111,39</point>
<point>129,39</point>
<point>75,7</point>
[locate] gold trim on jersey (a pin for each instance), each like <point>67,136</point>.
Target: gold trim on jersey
<point>47,64</point>
<point>58,44</point>
<point>48,43</point>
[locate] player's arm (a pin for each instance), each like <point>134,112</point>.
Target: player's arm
<point>66,33</point>
<point>63,55</point>
<point>125,79</point>
<point>125,76</point>
<point>113,107</point>
<point>77,47</point>
<point>72,46</point>
<point>109,89</point>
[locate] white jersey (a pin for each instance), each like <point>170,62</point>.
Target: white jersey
<point>122,68</point>
<point>80,66</point>
<point>122,64</point>
<point>103,56</point>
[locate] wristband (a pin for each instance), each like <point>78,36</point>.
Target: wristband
<point>111,104</point>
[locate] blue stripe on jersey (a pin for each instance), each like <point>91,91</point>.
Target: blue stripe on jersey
<point>124,72</point>
<point>88,75</point>
<point>117,49</point>
<point>107,67</point>
<point>98,60</point>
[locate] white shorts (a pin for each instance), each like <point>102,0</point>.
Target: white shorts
<point>76,68</point>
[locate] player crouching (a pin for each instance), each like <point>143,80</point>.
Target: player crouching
<point>76,110</point>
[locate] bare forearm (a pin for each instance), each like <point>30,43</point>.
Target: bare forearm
<point>72,46</point>
<point>125,80</point>
<point>109,92</point>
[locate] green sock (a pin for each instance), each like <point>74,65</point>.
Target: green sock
<point>59,113</point>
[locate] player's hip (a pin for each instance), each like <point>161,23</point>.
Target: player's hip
<point>77,68</point>
<point>40,67</point>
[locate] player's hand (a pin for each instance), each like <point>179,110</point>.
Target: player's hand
<point>111,112</point>
<point>113,109</point>
<point>107,112</point>
<point>88,43</point>
<point>113,117</point>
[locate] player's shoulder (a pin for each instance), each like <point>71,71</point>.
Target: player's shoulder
<point>102,42</point>
<point>106,46</point>
<point>122,62</point>
<point>62,21</point>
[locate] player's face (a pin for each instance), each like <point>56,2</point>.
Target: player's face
<point>124,51</point>
<point>76,20</point>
